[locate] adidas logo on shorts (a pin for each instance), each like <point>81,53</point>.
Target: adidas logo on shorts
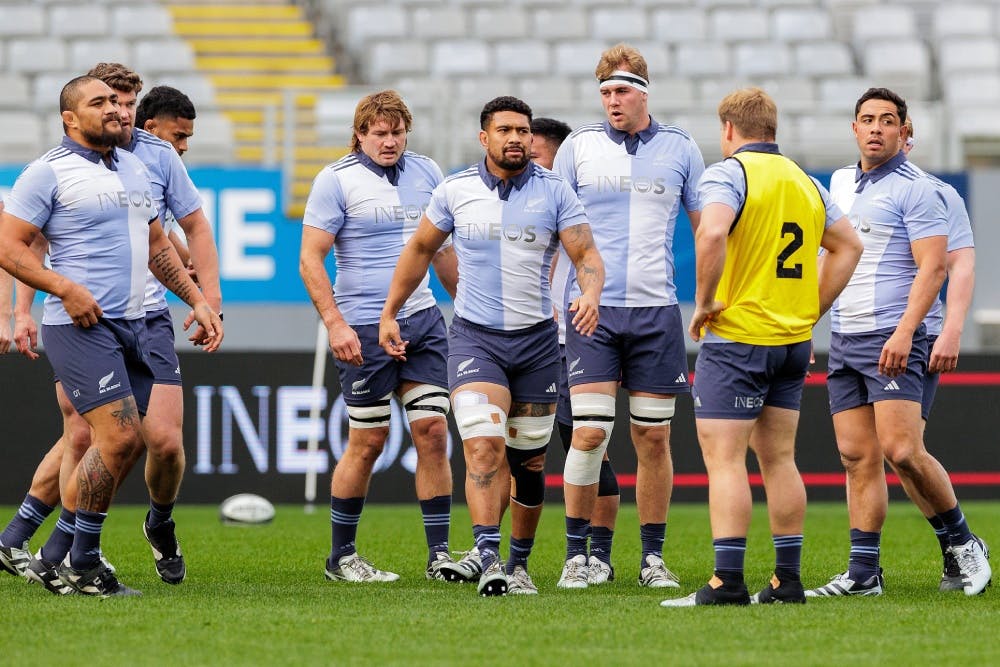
<point>552,389</point>
<point>892,386</point>
<point>681,379</point>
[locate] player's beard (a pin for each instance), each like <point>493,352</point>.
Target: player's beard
<point>108,137</point>
<point>511,163</point>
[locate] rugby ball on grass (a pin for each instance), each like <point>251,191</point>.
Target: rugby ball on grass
<point>246,509</point>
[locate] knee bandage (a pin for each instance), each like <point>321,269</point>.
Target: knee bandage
<point>647,411</point>
<point>476,418</point>
<point>529,485</point>
<point>589,411</point>
<point>424,401</point>
<point>375,415</point>
<point>529,432</point>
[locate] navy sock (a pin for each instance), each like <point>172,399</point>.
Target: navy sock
<point>600,543</point>
<point>488,542</point>
<point>958,529</point>
<point>436,512</point>
<point>86,550</point>
<point>345,513</point>
<point>730,553</point>
<point>652,535</point>
<point>158,514</point>
<point>520,549</point>
<point>863,563</point>
<point>940,532</point>
<point>26,521</point>
<point>577,531</point>
<point>61,539</point>
<point>787,555</point>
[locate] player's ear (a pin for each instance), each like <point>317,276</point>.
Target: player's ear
<point>482,138</point>
<point>69,118</point>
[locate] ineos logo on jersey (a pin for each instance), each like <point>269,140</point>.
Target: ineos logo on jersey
<point>496,231</point>
<point>640,184</point>
<point>402,213</point>
<point>123,199</point>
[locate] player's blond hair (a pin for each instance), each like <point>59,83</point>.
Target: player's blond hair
<point>621,56</point>
<point>752,112</point>
<point>384,105</point>
<point>117,76</point>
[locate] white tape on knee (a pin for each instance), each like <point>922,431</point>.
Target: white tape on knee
<point>584,468</point>
<point>370,416</point>
<point>593,411</point>
<point>529,432</point>
<point>425,401</point>
<point>477,419</point>
<point>648,411</point>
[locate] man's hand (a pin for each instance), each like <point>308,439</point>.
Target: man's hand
<point>209,332</point>
<point>390,340</point>
<point>345,344</point>
<point>81,306</point>
<point>5,335</point>
<point>702,317</point>
<point>944,354</point>
<point>26,335</point>
<point>895,354</point>
<point>586,309</point>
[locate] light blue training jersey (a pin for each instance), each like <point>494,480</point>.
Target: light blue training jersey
<point>371,218</point>
<point>632,189</point>
<point>890,206</point>
<point>173,190</point>
<point>505,234</point>
<point>96,220</point>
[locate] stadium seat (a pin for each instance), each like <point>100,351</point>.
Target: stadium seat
<point>471,93</point>
<point>738,24</point>
<point>902,64</point>
<point>801,24</point>
<point>20,136</point>
<point>84,20</point>
<point>683,24</point>
<point>578,58</point>
<point>195,86</point>
<point>395,57</point>
<point>35,55</point>
<point>792,94</point>
<point>88,52</point>
<point>551,93</point>
<point>214,144</point>
<point>486,19</point>
<point>618,23</point>
<point>45,89</point>
<point>439,22</point>
<point>783,4</point>
<point>971,89</point>
<point>961,20</point>
<point>335,114</point>
<point>711,90</point>
<point>162,55</point>
<point>140,21</point>
<point>838,94</point>
<point>883,23</point>
<point>823,59</point>
<point>558,23</point>
<point>658,58</point>
<point>670,95</point>
<point>22,21</point>
<point>724,3</point>
<point>460,56</point>
<point>16,91</point>
<point>367,22</point>
<point>824,141</point>
<point>703,59</point>
<point>963,54</point>
<point>762,59</point>
<point>524,56</point>
<point>704,129</point>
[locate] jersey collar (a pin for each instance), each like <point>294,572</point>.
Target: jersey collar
<point>503,187</point>
<point>630,140</point>
<point>391,174</point>
<point>90,154</point>
<point>878,173</point>
<point>759,147</point>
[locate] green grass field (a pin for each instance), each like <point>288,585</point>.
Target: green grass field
<point>257,596</point>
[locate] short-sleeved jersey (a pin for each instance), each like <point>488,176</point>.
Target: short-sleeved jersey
<point>173,191</point>
<point>371,219</point>
<point>770,281</point>
<point>96,220</point>
<point>890,206</point>
<point>505,234</point>
<point>632,189</point>
<point>959,236</point>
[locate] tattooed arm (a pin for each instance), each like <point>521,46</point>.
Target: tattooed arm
<point>168,269</point>
<point>582,251</point>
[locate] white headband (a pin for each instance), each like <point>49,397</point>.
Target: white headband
<point>621,77</point>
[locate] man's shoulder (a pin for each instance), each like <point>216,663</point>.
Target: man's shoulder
<point>463,175</point>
